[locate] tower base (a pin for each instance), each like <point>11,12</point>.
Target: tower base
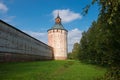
<point>60,58</point>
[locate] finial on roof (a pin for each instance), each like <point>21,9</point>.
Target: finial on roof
<point>58,19</point>
<point>58,14</point>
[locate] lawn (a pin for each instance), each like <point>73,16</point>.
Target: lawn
<point>49,70</point>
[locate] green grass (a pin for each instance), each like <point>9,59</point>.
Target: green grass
<point>49,70</point>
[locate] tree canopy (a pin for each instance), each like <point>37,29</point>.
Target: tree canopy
<point>101,43</point>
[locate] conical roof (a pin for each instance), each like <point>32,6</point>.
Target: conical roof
<point>58,24</point>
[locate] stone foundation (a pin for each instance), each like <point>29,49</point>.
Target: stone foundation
<point>15,57</point>
<point>60,58</point>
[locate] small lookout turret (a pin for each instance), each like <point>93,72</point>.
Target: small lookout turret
<point>57,38</point>
<point>58,19</point>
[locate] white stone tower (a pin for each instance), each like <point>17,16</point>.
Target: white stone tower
<point>57,38</point>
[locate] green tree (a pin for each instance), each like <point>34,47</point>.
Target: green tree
<point>83,54</point>
<point>75,51</point>
<point>102,40</point>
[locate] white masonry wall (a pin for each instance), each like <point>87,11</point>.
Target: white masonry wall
<point>57,39</point>
<point>14,41</point>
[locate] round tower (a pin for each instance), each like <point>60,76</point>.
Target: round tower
<point>57,38</point>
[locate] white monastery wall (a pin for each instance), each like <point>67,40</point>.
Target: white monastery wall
<point>14,41</point>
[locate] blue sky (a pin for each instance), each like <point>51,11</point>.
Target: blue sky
<point>35,17</point>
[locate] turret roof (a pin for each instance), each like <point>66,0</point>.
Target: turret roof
<point>58,24</point>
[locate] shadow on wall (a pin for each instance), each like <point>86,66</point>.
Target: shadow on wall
<point>15,57</point>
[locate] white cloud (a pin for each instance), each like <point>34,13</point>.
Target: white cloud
<point>3,7</point>
<point>9,18</point>
<point>42,36</point>
<point>67,15</point>
<point>73,37</point>
<point>3,13</point>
